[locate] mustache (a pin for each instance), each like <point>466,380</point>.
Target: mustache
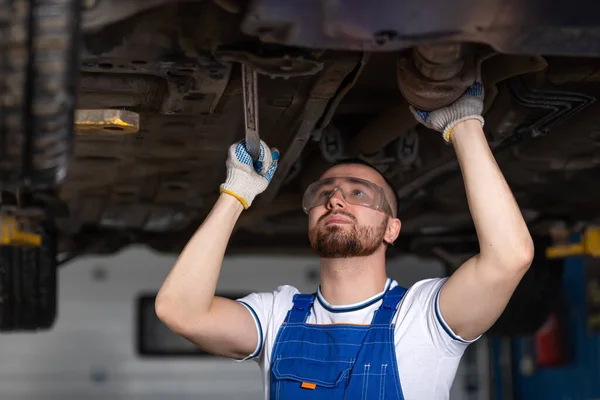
<point>340,212</point>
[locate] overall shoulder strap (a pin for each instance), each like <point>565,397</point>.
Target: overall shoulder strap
<point>301,308</point>
<point>385,314</point>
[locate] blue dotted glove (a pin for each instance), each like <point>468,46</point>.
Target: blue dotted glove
<point>468,106</point>
<point>246,179</point>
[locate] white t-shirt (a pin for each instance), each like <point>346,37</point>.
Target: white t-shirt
<point>427,350</point>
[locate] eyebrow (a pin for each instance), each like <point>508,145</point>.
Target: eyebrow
<point>361,182</point>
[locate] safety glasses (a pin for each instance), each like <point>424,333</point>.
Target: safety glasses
<point>354,191</point>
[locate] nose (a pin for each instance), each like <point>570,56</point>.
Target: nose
<point>336,200</point>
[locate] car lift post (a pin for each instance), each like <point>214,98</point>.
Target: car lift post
<point>513,378</point>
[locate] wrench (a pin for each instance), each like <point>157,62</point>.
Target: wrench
<point>250,88</point>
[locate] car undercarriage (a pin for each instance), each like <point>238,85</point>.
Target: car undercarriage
<point>116,117</point>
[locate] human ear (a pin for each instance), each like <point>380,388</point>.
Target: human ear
<point>392,231</point>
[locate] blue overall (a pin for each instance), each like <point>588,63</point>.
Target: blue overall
<point>339,361</point>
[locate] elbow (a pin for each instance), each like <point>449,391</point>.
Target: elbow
<point>521,256</point>
<point>178,316</point>
<point>167,313</point>
<point>516,257</point>
<point>526,254</point>
<point>161,308</point>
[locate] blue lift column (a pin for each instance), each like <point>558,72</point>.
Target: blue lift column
<point>579,377</point>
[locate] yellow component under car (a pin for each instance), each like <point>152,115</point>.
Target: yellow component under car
<point>106,122</point>
<point>11,234</point>
<point>589,245</point>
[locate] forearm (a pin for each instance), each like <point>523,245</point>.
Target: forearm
<point>473,297</point>
<point>501,229</point>
<point>190,286</point>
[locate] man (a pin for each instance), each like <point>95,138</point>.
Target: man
<point>362,336</point>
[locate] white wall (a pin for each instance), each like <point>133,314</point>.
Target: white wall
<point>91,351</point>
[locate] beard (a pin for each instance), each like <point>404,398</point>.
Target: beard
<point>346,241</point>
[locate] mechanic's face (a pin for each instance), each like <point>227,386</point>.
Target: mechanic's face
<point>339,229</point>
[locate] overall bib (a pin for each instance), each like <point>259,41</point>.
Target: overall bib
<point>340,361</point>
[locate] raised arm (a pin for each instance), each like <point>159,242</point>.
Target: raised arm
<point>186,302</point>
<point>475,296</point>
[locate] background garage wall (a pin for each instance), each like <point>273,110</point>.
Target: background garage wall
<point>91,352</point>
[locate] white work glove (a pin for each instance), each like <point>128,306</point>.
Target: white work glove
<point>468,106</point>
<point>246,179</point>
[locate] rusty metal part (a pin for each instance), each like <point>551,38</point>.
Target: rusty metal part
<point>143,92</point>
<point>439,62</point>
<point>284,66</point>
<point>438,75</point>
<point>383,129</point>
<point>159,43</point>
<point>434,76</point>
<point>103,122</point>
<point>189,92</point>
<point>445,53</point>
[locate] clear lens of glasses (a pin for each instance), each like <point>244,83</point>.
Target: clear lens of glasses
<point>355,191</point>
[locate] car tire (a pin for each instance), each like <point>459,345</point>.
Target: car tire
<point>39,46</point>
<point>28,285</point>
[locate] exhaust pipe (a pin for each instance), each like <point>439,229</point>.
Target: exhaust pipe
<point>435,75</point>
